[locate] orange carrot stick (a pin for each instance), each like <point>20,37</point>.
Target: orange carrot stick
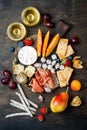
<point>45,43</point>
<point>52,44</point>
<point>39,42</point>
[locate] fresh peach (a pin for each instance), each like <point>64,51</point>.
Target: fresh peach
<point>75,85</point>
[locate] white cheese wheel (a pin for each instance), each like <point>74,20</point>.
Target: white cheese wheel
<point>27,55</point>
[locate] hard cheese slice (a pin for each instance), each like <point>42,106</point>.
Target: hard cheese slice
<point>64,76</point>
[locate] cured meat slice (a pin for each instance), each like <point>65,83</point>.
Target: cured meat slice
<point>45,78</point>
<point>43,73</point>
<point>39,78</point>
<point>36,87</point>
<point>50,83</point>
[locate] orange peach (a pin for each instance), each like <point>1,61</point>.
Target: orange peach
<point>75,85</point>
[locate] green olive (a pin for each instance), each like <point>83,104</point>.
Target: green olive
<point>30,16</point>
<point>16,31</point>
<point>16,58</point>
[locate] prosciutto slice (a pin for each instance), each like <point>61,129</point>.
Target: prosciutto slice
<point>43,78</point>
<point>36,87</point>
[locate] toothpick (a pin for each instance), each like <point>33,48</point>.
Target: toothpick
<point>22,93</point>
<point>18,106</point>
<point>24,104</point>
<point>17,114</point>
<point>32,103</point>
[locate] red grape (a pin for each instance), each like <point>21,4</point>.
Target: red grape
<point>7,73</point>
<point>49,24</point>
<point>12,84</point>
<point>75,40</point>
<point>46,17</point>
<point>5,80</point>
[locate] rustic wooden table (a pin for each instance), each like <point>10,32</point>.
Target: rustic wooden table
<point>71,11</point>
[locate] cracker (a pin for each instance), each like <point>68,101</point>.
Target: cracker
<point>64,76</point>
<point>17,68</point>
<point>69,51</point>
<point>62,48</point>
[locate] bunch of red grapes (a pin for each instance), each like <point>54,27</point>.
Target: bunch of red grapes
<point>7,80</point>
<point>47,21</point>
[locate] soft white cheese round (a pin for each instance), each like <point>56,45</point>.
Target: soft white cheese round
<point>27,55</point>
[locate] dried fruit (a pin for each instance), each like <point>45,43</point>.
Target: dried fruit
<point>76,101</point>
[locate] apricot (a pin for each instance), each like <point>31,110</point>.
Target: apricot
<point>75,85</point>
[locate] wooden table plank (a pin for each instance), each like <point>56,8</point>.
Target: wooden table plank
<point>71,11</point>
